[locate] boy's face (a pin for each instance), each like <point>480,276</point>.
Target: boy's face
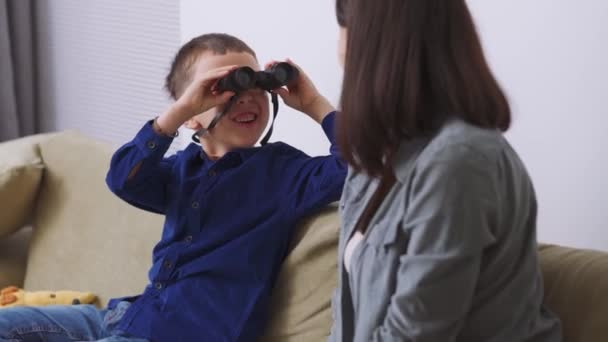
<point>243,125</point>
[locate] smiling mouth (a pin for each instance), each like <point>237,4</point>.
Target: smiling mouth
<point>245,118</point>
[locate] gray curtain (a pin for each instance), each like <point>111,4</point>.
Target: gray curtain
<point>18,93</point>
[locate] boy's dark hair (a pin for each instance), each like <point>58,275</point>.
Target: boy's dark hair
<point>218,43</point>
<point>409,65</point>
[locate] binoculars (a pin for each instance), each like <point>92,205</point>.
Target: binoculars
<point>244,78</point>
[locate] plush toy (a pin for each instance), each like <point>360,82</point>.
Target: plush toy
<point>13,296</point>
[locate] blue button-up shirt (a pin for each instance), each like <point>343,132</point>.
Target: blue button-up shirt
<point>227,230</point>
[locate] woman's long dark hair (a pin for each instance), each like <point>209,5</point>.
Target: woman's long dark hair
<point>410,64</point>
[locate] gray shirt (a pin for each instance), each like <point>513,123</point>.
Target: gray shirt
<point>451,254</point>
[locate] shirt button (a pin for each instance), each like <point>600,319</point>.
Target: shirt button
<point>212,173</point>
<point>167,264</point>
<point>195,205</point>
<point>188,239</point>
<point>158,285</point>
<point>151,145</point>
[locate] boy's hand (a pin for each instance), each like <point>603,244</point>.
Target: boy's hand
<point>302,95</point>
<point>198,97</point>
<point>200,94</point>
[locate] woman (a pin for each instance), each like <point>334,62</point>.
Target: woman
<point>439,214</point>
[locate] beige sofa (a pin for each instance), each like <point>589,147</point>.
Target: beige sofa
<point>84,238</point>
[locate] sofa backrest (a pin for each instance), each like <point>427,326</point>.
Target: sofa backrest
<point>576,289</point>
<point>85,238</point>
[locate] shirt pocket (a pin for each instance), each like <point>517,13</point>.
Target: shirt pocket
<point>386,234</point>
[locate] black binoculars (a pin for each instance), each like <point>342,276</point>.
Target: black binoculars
<point>244,78</point>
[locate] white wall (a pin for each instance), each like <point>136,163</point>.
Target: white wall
<point>550,55</point>
<point>552,58</point>
<point>102,64</point>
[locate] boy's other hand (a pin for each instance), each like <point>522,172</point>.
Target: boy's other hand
<point>302,95</point>
<point>200,95</point>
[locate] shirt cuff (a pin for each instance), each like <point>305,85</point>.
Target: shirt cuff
<point>150,142</point>
<point>328,125</point>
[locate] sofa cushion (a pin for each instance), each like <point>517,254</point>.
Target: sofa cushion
<point>20,173</point>
<point>301,299</point>
<point>13,258</point>
<point>576,289</point>
<point>85,238</point>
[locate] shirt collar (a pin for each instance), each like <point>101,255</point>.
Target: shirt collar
<point>230,159</point>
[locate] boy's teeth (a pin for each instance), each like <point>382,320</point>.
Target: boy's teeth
<point>245,118</point>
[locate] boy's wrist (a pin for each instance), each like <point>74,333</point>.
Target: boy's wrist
<point>162,131</point>
<point>171,120</point>
<point>320,109</point>
<point>180,111</point>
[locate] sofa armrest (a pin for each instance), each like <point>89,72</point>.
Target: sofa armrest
<point>21,170</point>
<point>576,284</point>
<point>13,258</point>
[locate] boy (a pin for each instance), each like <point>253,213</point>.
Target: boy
<point>230,208</point>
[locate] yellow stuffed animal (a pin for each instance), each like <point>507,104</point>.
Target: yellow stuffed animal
<point>13,296</point>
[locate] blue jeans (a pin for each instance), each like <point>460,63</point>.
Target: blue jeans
<point>63,323</point>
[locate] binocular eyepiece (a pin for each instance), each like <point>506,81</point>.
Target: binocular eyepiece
<point>245,78</point>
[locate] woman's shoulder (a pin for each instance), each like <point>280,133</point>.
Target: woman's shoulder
<point>457,148</point>
<point>459,141</point>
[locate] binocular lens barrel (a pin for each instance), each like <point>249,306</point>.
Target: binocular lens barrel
<point>244,78</point>
<point>284,73</point>
<point>238,80</point>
